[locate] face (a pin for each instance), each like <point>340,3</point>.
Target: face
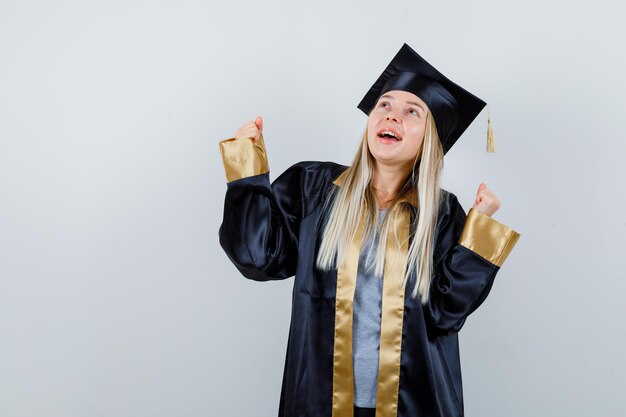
<point>402,114</point>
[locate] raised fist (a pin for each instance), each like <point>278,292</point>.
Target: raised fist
<point>251,129</point>
<point>486,201</point>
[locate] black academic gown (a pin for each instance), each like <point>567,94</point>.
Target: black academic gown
<point>270,231</point>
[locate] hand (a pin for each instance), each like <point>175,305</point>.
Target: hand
<point>486,201</point>
<point>251,129</point>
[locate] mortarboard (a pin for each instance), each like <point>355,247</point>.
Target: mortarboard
<point>453,107</point>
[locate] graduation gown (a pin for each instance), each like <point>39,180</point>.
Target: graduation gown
<point>270,231</point>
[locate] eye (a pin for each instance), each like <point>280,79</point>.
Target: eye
<point>383,104</point>
<point>414,112</point>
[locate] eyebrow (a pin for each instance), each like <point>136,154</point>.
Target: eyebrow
<point>409,102</point>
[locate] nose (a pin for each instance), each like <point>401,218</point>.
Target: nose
<point>392,116</point>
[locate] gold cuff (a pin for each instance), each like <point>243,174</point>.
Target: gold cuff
<point>243,158</point>
<point>487,237</point>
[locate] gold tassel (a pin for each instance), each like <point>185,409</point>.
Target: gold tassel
<point>491,140</point>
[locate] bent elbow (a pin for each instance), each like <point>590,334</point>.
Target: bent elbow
<point>257,265</point>
<point>443,324</point>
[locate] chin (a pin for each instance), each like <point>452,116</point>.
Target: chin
<point>387,158</point>
<point>386,151</point>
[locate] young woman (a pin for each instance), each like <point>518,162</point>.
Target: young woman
<point>387,264</point>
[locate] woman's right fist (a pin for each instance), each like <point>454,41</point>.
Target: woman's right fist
<point>251,129</point>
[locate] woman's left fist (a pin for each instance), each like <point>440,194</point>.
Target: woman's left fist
<point>486,201</point>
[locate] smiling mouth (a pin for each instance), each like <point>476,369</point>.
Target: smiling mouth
<point>389,135</point>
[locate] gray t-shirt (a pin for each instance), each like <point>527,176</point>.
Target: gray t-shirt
<point>366,325</point>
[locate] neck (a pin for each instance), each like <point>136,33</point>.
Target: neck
<point>387,181</point>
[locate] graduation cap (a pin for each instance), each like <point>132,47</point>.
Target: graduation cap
<point>453,107</point>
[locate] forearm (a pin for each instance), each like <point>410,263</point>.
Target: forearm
<point>465,273</point>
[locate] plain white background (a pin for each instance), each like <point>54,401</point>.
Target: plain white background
<point>116,299</point>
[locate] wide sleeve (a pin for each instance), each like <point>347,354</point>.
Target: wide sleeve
<point>469,251</point>
<point>261,220</point>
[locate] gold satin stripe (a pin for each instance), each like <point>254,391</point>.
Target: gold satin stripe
<point>392,318</point>
<point>410,197</point>
<point>487,237</point>
<point>243,158</point>
<point>343,373</point>
<point>341,178</point>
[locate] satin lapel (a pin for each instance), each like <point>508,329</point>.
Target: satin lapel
<point>392,317</point>
<point>343,374</point>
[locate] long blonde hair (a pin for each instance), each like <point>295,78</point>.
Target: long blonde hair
<point>344,207</point>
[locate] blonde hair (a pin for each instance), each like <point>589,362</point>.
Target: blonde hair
<point>344,207</point>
